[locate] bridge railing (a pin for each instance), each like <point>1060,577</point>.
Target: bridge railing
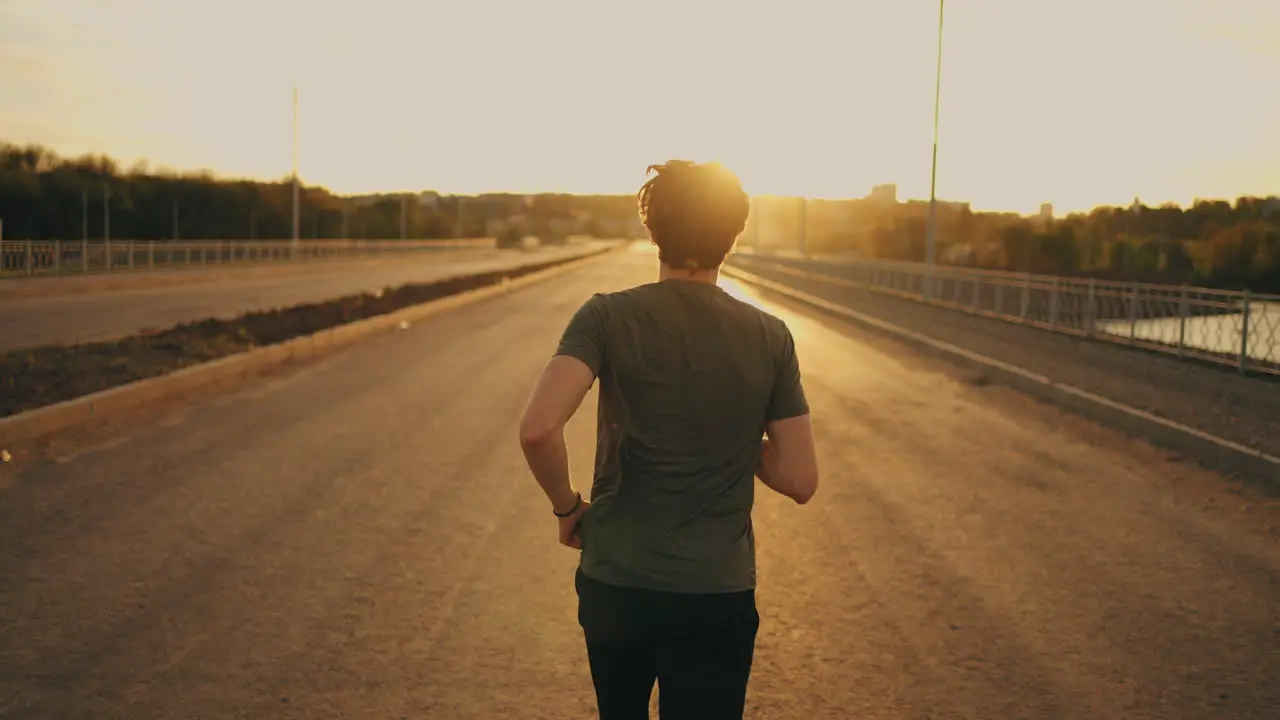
<point>1236,328</point>
<point>34,258</point>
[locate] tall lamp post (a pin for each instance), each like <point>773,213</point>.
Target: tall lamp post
<point>932,239</point>
<point>296,211</point>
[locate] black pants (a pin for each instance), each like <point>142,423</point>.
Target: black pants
<point>697,647</point>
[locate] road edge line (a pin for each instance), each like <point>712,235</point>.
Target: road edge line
<point>39,422</point>
<point>1002,366</point>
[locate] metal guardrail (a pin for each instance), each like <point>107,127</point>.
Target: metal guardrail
<point>37,258</point>
<point>1240,329</point>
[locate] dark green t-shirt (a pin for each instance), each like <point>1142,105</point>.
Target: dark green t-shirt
<point>689,375</point>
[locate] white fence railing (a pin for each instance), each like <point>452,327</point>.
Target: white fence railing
<point>1240,329</point>
<point>33,258</point>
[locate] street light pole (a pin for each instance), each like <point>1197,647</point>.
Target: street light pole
<point>932,239</point>
<point>296,212</point>
<point>804,226</point>
<point>106,221</point>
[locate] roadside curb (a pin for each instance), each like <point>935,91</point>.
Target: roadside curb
<point>49,419</point>
<point>1211,450</point>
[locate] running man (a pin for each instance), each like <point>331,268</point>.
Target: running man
<point>699,394</point>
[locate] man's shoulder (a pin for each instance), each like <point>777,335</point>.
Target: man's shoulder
<point>617,299</point>
<point>771,322</point>
<point>642,295</point>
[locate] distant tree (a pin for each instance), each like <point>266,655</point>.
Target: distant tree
<point>1177,261</point>
<point>1264,266</point>
<point>1146,260</point>
<point>1017,240</point>
<point>1120,254</point>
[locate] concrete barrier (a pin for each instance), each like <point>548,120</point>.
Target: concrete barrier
<point>39,422</point>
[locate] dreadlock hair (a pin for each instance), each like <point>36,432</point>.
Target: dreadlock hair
<point>694,213</point>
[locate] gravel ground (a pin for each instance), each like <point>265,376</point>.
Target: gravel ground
<point>361,539</point>
<point>1213,399</point>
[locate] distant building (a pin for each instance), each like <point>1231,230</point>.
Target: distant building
<point>1046,212</point>
<point>885,194</point>
<point>922,206</point>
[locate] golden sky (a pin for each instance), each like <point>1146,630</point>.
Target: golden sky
<point>1074,102</point>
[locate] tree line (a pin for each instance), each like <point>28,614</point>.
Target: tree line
<point>44,196</point>
<point>1213,242</point>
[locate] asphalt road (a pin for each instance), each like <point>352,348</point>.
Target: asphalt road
<point>361,539</point>
<point>90,317</point>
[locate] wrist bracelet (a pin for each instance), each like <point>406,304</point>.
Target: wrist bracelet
<point>576,504</point>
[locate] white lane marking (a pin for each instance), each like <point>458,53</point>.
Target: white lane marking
<point>998,364</point>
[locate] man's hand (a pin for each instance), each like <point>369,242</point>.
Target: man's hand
<point>569,536</point>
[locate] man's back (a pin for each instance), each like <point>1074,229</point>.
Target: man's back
<point>688,376</point>
<point>699,394</point>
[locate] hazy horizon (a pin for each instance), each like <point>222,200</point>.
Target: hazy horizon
<point>1082,105</point>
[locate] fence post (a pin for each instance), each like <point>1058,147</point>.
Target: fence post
<point>1091,308</point>
<point>30,269</point>
<point>977,289</point>
<point>1183,308</point>
<point>999,298</point>
<point>84,255</point>
<point>1053,304</point>
<point>57,257</point>
<point>151,255</point>
<point>1026,295</point>
<point>1133,315</point>
<point>1244,333</point>
<point>129,246</point>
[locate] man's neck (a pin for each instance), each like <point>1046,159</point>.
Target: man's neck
<point>711,277</point>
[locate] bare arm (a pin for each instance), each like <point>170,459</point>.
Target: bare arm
<point>559,392</point>
<point>788,459</point>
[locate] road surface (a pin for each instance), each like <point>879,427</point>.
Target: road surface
<point>89,317</point>
<point>362,539</point>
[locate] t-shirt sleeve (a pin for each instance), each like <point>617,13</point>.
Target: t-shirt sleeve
<point>584,337</point>
<point>787,399</point>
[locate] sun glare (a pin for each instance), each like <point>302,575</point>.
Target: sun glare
<point>740,291</point>
<point>1077,105</point>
